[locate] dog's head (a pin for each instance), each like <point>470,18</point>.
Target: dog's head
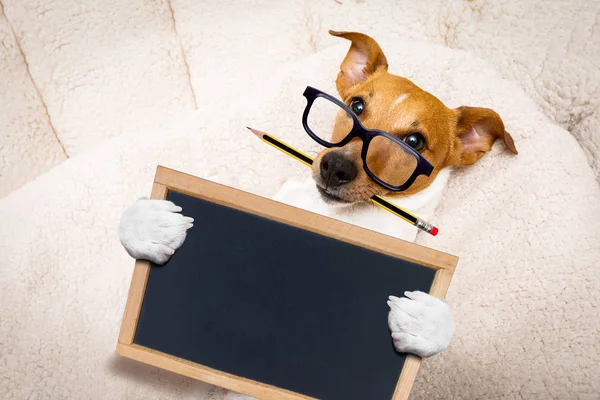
<point>445,137</point>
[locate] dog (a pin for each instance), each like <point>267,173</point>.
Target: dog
<point>340,186</point>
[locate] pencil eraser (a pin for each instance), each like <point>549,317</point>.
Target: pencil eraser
<point>434,231</point>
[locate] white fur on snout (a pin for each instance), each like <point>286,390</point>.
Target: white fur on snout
<point>153,230</point>
<point>420,324</point>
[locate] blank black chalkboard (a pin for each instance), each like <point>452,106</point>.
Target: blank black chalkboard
<point>277,304</point>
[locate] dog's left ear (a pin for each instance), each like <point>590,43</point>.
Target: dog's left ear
<point>363,59</point>
<point>477,129</point>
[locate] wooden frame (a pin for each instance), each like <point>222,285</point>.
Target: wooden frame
<point>168,179</point>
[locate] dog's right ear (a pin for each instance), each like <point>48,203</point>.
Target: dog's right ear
<point>477,129</point>
<point>363,59</point>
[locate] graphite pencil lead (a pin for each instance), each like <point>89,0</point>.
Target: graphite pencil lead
<point>258,133</point>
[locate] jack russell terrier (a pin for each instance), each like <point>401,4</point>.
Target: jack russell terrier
<point>375,151</point>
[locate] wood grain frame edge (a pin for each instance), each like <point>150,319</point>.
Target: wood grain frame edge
<point>205,374</point>
<point>248,202</point>
<point>137,287</point>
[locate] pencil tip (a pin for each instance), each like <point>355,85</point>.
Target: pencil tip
<point>259,134</point>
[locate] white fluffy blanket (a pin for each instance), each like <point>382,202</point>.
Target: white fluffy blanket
<point>525,292</point>
<point>74,73</point>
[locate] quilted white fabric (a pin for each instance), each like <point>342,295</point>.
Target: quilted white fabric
<point>78,73</point>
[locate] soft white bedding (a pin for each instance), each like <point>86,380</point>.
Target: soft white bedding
<point>74,73</point>
<point>525,292</point>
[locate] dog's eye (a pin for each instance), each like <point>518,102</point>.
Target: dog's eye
<point>416,141</point>
<point>357,105</point>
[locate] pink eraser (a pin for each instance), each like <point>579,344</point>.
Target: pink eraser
<point>434,231</point>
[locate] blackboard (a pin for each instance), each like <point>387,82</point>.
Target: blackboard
<point>294,310</point>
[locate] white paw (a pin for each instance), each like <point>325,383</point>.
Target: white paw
<point>153,229</point>
<point>421,324</point>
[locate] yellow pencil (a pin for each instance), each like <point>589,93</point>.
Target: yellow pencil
<point>386,205</point>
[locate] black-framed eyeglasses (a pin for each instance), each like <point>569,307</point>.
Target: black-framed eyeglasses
<point>323,111</point>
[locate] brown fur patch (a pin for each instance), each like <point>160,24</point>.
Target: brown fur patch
<point>418,111</point>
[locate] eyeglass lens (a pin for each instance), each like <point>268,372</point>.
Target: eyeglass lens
<point>386,159</point>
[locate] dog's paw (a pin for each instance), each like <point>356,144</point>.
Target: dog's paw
<point>420,324</point>
<point>153,229</point>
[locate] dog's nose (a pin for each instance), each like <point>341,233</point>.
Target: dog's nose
<point>337,169</point>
